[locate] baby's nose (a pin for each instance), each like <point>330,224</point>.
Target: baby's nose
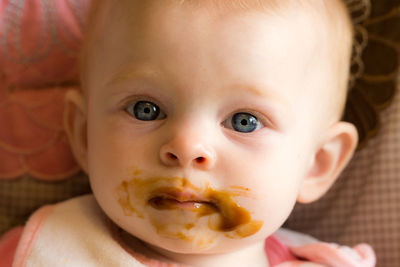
<point>187,152</point>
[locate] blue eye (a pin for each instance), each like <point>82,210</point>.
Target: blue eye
<point>145,111</point>
<point>245,122</point>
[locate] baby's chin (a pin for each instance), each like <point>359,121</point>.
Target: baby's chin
<point>199,240</point>
<point>204,244</point>
<point>177,239</point>
<point>182,231</point>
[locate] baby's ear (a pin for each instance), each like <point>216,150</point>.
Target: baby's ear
<point>330,158</point>
<point>75,125</point>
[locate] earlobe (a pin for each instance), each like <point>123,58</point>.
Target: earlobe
<point>329,160</point>
<point>75,125</point>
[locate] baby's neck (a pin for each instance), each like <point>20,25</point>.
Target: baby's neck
<point>250,256</point>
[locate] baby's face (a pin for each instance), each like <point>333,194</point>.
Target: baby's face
<point>202,126</point>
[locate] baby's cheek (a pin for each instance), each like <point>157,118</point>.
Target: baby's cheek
<point>272,206</point>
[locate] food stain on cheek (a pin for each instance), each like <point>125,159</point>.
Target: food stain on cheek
<point>182,199</point>
<point>124,196</point>
<point>234,220</point>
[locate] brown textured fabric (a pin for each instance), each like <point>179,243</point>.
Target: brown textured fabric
<point>364,204</point>
<point>20,197</point>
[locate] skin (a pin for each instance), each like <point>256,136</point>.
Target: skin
<point>201,68</point>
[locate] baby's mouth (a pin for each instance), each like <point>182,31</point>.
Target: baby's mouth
<point>204,203</point>
<point>180,201</point>
<point>225,214</point>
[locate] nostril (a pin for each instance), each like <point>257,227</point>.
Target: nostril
<point>200,160</point>
<point>171,156</point>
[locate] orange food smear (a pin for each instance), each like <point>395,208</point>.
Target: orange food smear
<point>163,193</point>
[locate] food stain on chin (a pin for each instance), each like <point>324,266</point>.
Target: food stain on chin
<point>179,194</point>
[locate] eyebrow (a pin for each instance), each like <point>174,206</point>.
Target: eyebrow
<point>279,104</point>
<point>131,72</point>
<point>267,94</point>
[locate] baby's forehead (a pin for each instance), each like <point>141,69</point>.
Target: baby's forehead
<point>228,5</point>
<point>153,16</point>
<point>171,22</point>
<point>314,9</point>
<point>140,19</point>
<point>137,15</point>
<point>327,19</point>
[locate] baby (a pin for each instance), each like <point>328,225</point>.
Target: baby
<point>200,124</point>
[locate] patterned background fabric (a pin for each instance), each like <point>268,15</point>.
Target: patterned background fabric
<point>40,43</point>
<point>39,48</point>
<point>364,205</point>
<point>32,138</point>
<point>374,64</point>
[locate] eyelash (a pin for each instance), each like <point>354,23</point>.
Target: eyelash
<point>130,108</point>
<point>263,120</point>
